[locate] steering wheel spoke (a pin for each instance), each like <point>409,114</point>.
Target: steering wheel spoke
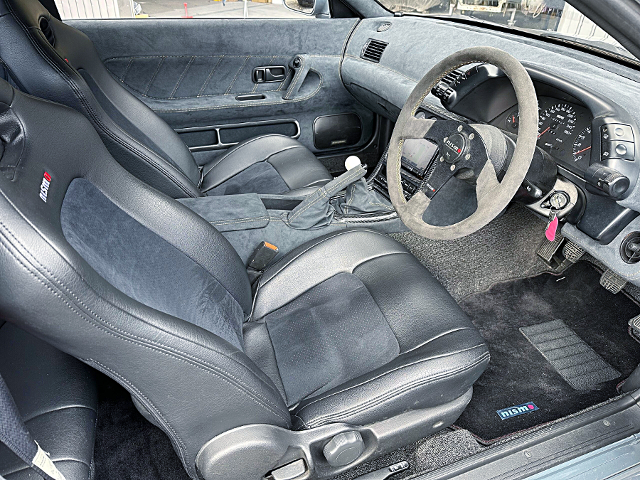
<point>487,184</point>
<point>418,204</point>
<point>417,128</point>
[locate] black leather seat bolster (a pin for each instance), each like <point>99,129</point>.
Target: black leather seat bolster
<point>57,398</point>
<point>297,166</point>
<point>427,377</point>
<point>441,353</point>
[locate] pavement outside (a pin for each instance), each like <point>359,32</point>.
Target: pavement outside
<point>215,9</point>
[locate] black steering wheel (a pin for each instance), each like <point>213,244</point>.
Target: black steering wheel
<point>498,168</point>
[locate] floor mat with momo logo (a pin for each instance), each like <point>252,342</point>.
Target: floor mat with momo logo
<point>558,345</point>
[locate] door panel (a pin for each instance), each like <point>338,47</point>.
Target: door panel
<point>195,73</point>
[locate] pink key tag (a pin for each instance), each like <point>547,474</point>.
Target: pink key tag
<point>551,230</point>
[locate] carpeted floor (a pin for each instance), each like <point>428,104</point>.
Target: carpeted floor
<point>426,455</point>
<point>518,372</point>
<point>128,447</point>
<point>503,250</point>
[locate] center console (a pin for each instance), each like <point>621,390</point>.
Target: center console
<point>417,159</point>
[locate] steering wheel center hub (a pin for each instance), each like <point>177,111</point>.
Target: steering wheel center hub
<point>455,146</point>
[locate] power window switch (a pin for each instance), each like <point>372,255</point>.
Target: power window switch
<point>617,131</point>
<point>618,149</point>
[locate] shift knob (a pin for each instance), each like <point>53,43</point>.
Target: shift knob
<point>352,162</point>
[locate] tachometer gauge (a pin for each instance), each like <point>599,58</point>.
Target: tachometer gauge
<point>556,126</point>
<point>582,147</point>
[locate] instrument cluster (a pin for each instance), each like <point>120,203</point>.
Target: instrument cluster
<point>564,131</point>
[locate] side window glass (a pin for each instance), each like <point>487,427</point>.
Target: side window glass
<point>141,9</point>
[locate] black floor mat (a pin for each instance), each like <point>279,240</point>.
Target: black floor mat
<point>128,447</point>
<point>518,373</point>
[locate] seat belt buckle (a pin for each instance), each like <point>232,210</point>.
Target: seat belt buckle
<point>262,256</point>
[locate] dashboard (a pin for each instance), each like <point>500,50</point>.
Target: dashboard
<point>589,115</point>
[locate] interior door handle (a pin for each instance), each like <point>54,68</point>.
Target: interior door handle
<point>269,74</point>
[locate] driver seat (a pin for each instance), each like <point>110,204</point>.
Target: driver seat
<point>348,340</point>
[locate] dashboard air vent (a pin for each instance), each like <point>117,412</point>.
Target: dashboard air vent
<point>454,78</point>
<point>45,26</point>
<point>444,89</point>
<point>373,50</point>
<point>630,248</point>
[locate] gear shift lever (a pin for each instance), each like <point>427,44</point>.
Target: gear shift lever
<point>359,198</point>
<point>316,209</point>
<point>352,162</point>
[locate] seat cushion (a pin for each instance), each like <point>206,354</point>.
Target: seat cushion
<point>328,335</point>
<point>365,336</point>
<point>56,396</point>
<point>273,164</point>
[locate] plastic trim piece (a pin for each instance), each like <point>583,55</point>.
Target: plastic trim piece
<point>218,128</point>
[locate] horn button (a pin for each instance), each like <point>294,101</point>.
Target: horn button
<point>455,146</point>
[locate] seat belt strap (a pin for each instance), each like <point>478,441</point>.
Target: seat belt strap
<point>14,434</point>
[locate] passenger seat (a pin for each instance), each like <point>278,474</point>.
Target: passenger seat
<point>57,398</point>
<point>42,56</point>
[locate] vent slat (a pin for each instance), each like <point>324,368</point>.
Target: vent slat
<point>373,50</point>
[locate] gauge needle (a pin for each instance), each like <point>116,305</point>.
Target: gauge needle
<point>583,150</point>
<point>545,131</point>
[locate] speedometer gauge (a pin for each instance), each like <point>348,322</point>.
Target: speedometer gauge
<point>582,147</point>
<point>556,126</point>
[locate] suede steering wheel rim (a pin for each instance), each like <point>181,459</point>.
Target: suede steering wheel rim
<point>493,196</point>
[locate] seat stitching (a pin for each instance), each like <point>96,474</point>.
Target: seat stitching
<point>59,284</point>
<point>152,345</point>
<point>444,334</point>
<point>57,409</point>
<point>374,402</point>
<point>401,367</point>
<point>320,242</point>
<point>5,228</point>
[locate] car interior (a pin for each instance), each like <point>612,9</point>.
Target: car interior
<point>381,240</point>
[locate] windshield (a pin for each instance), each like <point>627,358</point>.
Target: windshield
<point>546,17</point>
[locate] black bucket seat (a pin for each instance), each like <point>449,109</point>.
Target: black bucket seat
<point>44,57</point>
<point>348,334</point>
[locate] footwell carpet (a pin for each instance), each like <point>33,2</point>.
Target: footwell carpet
<point>128,447</point>
<point>530,356</point>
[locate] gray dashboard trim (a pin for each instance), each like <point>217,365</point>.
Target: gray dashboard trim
<point>608,254</point>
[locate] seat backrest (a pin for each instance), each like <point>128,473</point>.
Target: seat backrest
<point>130,281</point>
<point>51,60</point>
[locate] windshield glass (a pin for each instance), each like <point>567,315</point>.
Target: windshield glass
<point>546,17</point>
